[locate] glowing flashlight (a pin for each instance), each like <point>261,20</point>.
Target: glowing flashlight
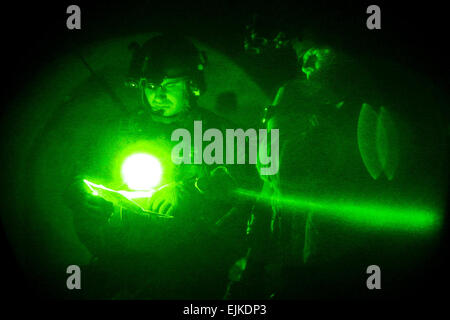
<point>141,171</point>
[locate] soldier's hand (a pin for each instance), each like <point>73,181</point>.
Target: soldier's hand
<point>166,200</point>
<point>81,200</point>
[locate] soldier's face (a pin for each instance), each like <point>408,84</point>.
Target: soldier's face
<point>168,98</point>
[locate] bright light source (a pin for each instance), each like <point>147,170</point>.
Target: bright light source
<point>141,171</point>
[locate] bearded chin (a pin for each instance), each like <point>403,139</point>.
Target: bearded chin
<point>158,116</point>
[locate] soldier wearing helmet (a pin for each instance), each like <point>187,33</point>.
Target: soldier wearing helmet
<point>186,257</point>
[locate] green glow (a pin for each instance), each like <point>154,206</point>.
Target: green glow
<point>339,104</point>
<point>371,215</point>
<point>130,195</point>
<point>313,53</point>
<point>367,129</point>
<point>141,171</point>
<point>377,141</point>
<point>125,199</point>
<point>386,143</point>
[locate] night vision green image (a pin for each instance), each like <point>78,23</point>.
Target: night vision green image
<point>243,152</point>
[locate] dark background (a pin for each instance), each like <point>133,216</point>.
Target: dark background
<point>34,34</point>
